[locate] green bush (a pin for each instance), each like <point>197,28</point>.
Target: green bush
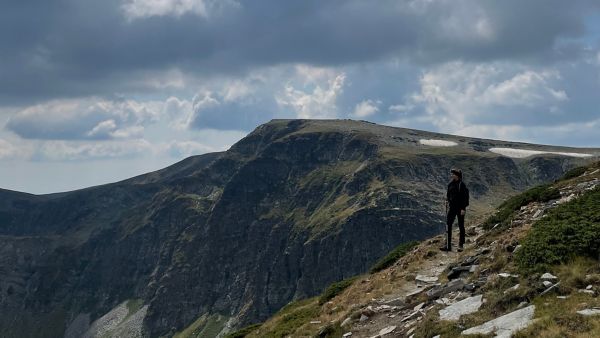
<point>335,289</point>
<point>575,172</point>
<point>393,256</point>
<point>568,231</point>
<point>541,193</point>
<point>243,332</point>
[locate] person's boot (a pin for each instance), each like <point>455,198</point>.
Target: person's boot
<point>460,248</point>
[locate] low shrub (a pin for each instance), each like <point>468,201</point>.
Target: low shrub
<point>393,256</point>
<point>568,231</point>
<point>575,172</point>
<point>541,193</point>
<point>335,289</point>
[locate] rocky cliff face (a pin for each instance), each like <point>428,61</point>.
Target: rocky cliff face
<point>289,209</point>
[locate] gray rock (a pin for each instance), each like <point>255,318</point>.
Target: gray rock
<point>506,325</point>
<point>451,286</point>
<point>426,279</point>
<point>346,321</point>
<point>470,287</point>
<point>589,312</point>
<point>387,330</point>
<point>456,272</point>
<point>548,276</point>
<point>395,302</point>
<point>464,307</point>
<point>347,334</point>
<point>514,288</point>
<point>547,283</point>
<point>507,275</point>
<point>363,318</point>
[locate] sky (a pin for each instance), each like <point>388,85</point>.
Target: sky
<point>93,92</point>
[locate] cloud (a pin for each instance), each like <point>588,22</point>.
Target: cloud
<point>316,97</point>
<point>8,150</point>
<point>456,94</point>
<point>78,150</point>
<point>124,46</point>
<point>575,134</point>
<point>180,149</point>
<point>213,110</point>
<point>136,9</point>
<point>92,118</point>
<point>365,108</point>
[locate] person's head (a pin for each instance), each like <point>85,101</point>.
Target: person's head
<point>456,174</point>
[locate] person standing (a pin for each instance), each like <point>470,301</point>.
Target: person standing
<point>457,201</point>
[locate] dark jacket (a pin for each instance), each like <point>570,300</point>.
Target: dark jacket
<point>458,195</point>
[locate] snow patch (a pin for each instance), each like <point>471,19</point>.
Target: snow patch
<point>437,143</point>
<point>522,153</point>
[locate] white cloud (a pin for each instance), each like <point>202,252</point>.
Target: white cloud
<point>527,88</point>
<point>583,133</point>
<point>180,149</point>
<point>7,150</point>
<point>90,118</point>
<point>78,150</point>
<point>134,9</point>
<point>365,108</point>
<point>103,128</point>
<point>457,95</point>
<point>316,98</point>
<point>401,108</point>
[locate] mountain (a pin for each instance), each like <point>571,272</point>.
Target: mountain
<point>226,239</point>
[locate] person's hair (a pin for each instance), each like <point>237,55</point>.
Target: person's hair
<point>456,172</point>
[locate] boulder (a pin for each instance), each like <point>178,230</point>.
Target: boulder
<point>589,312</point>
<point>505,326</point>
<point>548,276</point>
<point>464,307</point>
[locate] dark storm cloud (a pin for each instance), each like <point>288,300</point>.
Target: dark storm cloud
<point>63,48</point>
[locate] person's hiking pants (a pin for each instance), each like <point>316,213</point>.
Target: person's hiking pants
<point>452,214</point>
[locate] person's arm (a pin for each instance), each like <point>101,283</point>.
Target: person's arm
<point>464,198</point>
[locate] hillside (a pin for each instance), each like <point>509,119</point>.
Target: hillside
<point>533,272</point>
<point>222,240</point>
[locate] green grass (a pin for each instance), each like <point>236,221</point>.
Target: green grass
<point>292,316</point>
<point>241,333</point>
<point>541,193</point>
<point>393,256</point>
<point>335,289</point>
<point>205,326</point>
<point>569,230</point>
